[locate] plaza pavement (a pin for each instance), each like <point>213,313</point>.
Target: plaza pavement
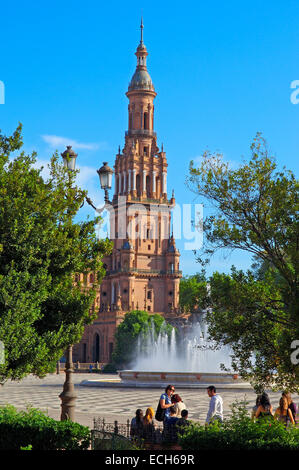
<point>112,403</point>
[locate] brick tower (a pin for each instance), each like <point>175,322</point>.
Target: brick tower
<point>143,270</point>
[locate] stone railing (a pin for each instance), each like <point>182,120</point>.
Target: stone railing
<point>150,200</point>
<point>144,271</point>
<point>145,132</point>
<point>81,366</point>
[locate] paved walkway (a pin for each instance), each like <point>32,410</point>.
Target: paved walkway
<point>111,403</point>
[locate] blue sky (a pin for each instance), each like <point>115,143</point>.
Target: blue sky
<point>222,71</point>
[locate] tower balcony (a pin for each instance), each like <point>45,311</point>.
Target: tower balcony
<point>144,271</point>
<point>140,132</point>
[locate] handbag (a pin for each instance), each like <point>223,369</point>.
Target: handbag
<point>160,413</point>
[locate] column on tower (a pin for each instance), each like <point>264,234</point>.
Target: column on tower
<point>119,183</point>
<point>129,180</point>
<point>164,183</point>
<point>134,179</point>
<point>154,181</point>
<point>124,176</point>
<point>144,183</point>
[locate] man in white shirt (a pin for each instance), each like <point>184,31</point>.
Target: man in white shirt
<point>216,406</point>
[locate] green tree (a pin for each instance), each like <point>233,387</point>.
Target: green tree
<point>42,309</point>
<point>134,324</point>
<point>193,292</point>
<point>256,313</point>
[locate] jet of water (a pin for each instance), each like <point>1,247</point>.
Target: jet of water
<point>189,352</point>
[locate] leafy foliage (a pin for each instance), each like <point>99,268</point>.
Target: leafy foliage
<point>32,429</point>
<point>256,313</point>
<point>239,432</point>
<point>193,292</point>
<point>42,310</point>
<point>258,330</point>
<point>114,442</point>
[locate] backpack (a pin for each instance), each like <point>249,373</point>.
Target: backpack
<point>160,413</point>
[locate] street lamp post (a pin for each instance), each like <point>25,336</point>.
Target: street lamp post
<point>68,395</point>
<point>105,174</point>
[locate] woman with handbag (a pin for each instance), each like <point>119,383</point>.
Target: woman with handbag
<point>165,401</point>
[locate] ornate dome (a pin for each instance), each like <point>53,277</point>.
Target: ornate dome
<point>141,80</point>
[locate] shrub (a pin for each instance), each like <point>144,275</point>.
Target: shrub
<point>115,443</point>
<point>109,368</point>
<point>239,432</point>
<point>19,429</point>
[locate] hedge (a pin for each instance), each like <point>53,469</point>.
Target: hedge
<point>239,432</point>
<point>20,429</point>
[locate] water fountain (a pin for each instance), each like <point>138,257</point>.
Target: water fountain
<point>187,360</point>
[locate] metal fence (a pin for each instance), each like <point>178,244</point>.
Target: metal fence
<point>120,436</point>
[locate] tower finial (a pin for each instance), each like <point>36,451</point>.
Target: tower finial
<point>141,31</point>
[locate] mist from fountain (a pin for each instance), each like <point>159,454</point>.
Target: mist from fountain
<point>189,352</point>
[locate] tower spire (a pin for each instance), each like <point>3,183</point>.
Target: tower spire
<point>141,31</point>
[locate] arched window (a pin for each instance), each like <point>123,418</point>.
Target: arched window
<point>91,278</point>
<point>138,185</point>
<point>84,358</point>
<point>96,348</point>
<point>145,121</point>
<point>148,186</point>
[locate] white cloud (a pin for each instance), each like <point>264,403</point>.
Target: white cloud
<point>86,176</point>
<point>56,141</point>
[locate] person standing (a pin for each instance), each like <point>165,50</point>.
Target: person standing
<point>165,400</point>
<point>215,411</point>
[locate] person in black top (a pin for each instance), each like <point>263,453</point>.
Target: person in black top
<point>265,408</point>
<point>183,421</point>
<point>170,430</point>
